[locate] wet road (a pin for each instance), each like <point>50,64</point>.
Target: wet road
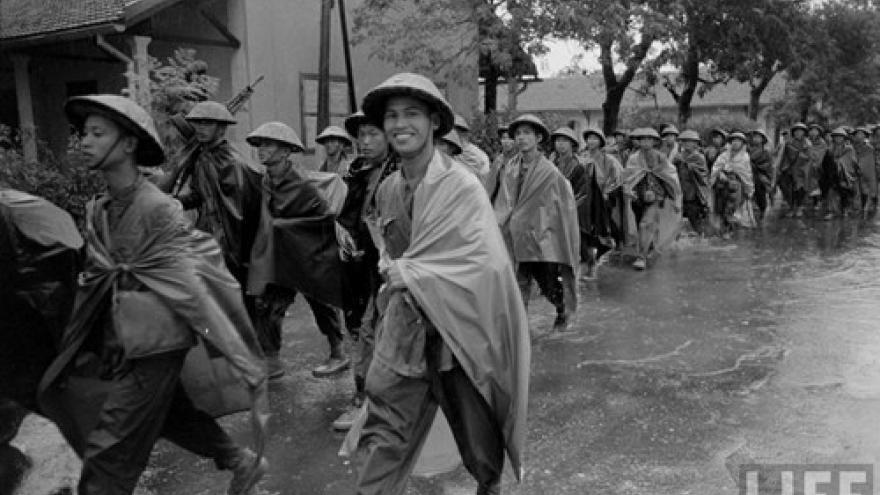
<point>760,349</point>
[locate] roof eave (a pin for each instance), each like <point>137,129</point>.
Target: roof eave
<point>58,36</point>
<point>144,9</point>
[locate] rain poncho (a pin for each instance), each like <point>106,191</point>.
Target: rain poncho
<point>459,277</point>
<point>693,175</point>
<point>839,177</point>
<point>40,250</point>
<point>224,189</point>
<point>599,212</point>
<point>792,173</point>
<point>153,250</point>
<point>296,245</point>
<point>539,222</point>
<point>661,221</point>
<point>818,148</point>
<point>867,168</point>
<point>475,160</point>
<point>734,186</point>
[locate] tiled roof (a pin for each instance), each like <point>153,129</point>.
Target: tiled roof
<point>23,18</point>
<point>588,93</point>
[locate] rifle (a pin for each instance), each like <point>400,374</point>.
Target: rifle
<point>238,101</point>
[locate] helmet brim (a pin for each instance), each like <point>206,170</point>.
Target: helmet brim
<point>149,150</point>
<point>375,101</point>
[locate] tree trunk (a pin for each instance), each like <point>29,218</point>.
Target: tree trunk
<point>755,96</point>
<point>615,87</point>
<point>490,94</point>
<point>512,94</point>
<point>691,75</point>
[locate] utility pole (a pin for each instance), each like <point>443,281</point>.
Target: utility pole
<point>346,47</point>
<point>324,68</point>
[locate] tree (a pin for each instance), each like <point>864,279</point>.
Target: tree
<point>770,40</point>
<point>623,31</point>
<point>443,36</point>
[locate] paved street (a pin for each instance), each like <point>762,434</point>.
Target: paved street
<point>761,349</point>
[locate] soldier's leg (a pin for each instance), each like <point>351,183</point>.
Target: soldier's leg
<point>400,412</point>
<point>476,431</point>
<point>524,277</point>
<point>329,322</point>
<point>117,450</point>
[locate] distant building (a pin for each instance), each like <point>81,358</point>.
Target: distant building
<point>53,49</point>
<point>579,100</point>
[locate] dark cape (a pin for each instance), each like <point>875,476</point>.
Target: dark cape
<point>224,189</point>
<point>183,268</point>
<point>296,247</point>
<point>40,257</point>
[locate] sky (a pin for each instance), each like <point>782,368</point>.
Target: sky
<point>561,54</point>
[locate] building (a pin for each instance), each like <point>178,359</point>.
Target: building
<point>578,100</point>
<point>53,49</point>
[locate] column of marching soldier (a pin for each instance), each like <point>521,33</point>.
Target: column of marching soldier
<point>408,238</point>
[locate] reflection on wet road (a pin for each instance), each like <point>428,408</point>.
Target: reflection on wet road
<point>761,349</point>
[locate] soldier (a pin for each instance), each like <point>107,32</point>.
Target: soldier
<point>669,142</point>
<point>840,179</point>
<point>508,151</point>
<point>793,170</point>
<point>654,193</point>
<point>732,182</point>
<point>762,171</point>
<point>471,155</point>
<point>536,210</point>
<point>867,171</point>
<point>618,146</point>
<point>451,145</point>
<point>717,144</point>
<point>818,147</point>
<point>295,252</point>
<point>693,175</point>
<point>335,141</point>
<point>151,289</point>
<point>565,157</point>
<point>600,213</point>
<point>361,255</point>
<point>220,184</point>
<point>447,280</point>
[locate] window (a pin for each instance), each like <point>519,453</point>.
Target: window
<point>308,93</point>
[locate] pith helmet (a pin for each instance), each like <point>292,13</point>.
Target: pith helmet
<point>128,115</point>
<point>353,122</point>
<point>275,131</point>
<point>414,86</point>
<point>461,124</point>
<point>454,140</point>
<point>620,132</point>
<point>840,131</point>
<point>862,129</point>
<point>799,125</point>
<point>592,131</point>
<point>502,129</point>
<point>814,125</point>
<point>689,135</point>
<point>212,111</point>
<point>645,132</point>
<point>762,134</point>
<point>566,132</point>
<point>721,132</point>
<point>670,129</point>
<point>534,122</point>
<point>333,132</point>
<point>737,135</point>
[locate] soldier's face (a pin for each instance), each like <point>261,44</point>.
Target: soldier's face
<point>409,125</point>
<point>507,144</point>
<point>526,138</point>
<point>333,146</point>
<point>736,144</point>
<point>563,145</point>
<point>839,140</point>
<point>593,142</point>
<point>669,139</point>
<point>208,131</point>
<point>798,133</point>
<point>103,142</point>
<point>372,142</point>
<point>688,145</point>
<point>271,153</point>
<point>757,140</point>
<point>646,143</point>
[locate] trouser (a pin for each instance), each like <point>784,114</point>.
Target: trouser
<point>400,413</point>
<point>696,213</point>
<point>270,310</point>
<point>548,277</point>
<point>145,404</point>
